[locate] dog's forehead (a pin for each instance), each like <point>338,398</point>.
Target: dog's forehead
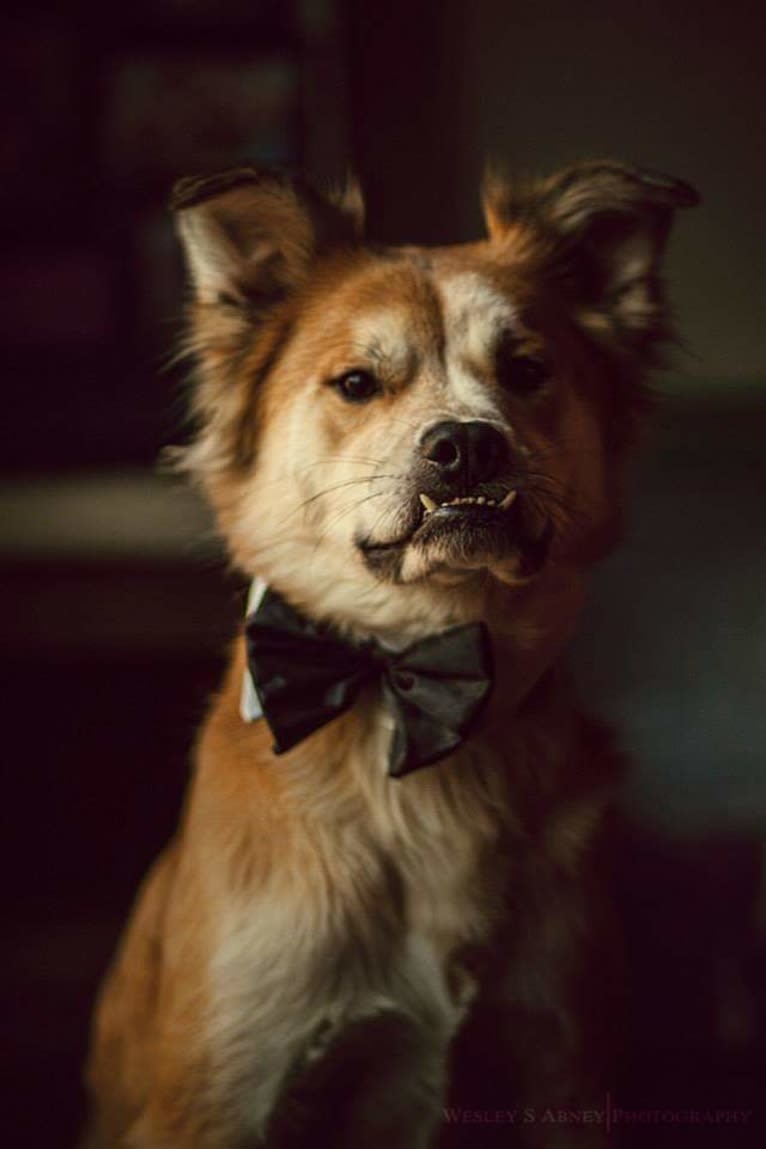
<point>460,311</point>
<point>475,312</point>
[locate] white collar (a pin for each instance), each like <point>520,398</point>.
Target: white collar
<point>250,707</point>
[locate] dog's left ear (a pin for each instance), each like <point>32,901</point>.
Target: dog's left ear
<point>250,235</point>
<point>603,228</point>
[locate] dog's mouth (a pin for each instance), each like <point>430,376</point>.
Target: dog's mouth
<point>467,532</point>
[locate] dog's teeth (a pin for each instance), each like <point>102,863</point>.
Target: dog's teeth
<point>428,503</point>
<point>490,502</point>
<point>481,500</point>
<point>509,498</point>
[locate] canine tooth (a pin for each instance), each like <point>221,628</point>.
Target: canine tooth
<point>429,504</point>
<point>509,498</point>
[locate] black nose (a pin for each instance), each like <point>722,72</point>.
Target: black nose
<point>465,453</point>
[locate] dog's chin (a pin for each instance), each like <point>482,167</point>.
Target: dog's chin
<point>453,543</point>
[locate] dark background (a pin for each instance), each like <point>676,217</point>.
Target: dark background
<point>115,607</point>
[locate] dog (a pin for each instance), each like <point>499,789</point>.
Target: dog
<point>382,912</point>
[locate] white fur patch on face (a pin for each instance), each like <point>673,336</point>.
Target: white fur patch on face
<point>384,338</point>
<point>475,315</point>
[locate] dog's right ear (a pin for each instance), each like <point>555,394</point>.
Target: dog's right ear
<point>250,238</point>
<point>250,235</point>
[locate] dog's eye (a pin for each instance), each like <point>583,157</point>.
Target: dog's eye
<point>357,386</point>
<point>527,374</point>
<point>520,374</point>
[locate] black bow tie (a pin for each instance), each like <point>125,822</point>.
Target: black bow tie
<point>305,675</point>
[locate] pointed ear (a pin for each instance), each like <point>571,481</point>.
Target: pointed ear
<point>605,227</point>
<point>250,238</point>
<point>250,235</point>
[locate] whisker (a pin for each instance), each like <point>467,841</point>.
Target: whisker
<point>341,459</point>
<point>338,486</point>
<point>558,508</point>
<point>374,526</point>
<point>328,461</point>
<point>341,515</point>
<point>352,507</point>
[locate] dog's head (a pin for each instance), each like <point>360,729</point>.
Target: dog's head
<point>385,427</point>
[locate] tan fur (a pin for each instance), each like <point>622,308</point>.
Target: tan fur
<point>310,900</point>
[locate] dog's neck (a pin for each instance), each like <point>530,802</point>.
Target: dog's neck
<point>529,626</point>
